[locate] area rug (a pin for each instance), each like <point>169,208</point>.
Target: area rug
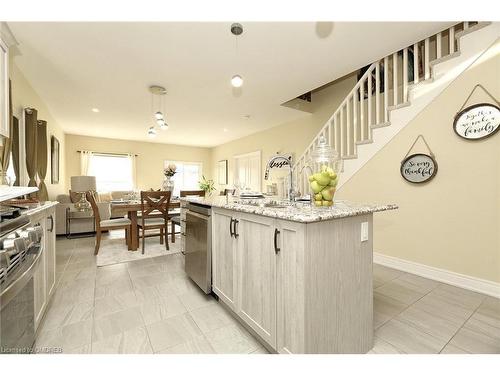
<point>114,250</point>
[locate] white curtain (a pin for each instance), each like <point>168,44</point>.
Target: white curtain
<point>133,159</point>
<point>85,160</point>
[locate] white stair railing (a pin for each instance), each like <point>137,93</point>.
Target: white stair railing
<point>384,86</point>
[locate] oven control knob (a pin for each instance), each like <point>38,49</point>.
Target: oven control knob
<point>19,245</point>
<point>39,232</point>
<point>34,236</point>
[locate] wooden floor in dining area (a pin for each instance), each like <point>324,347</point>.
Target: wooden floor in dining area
<point>151,306</point>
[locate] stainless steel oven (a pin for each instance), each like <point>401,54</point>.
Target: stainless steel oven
<point>198,248</point>
<point>20,251</point>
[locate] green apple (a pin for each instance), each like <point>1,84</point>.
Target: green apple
<point>318,196</point>
<point>327,203</point>
<point>311,178</point>
<point>322,178</point>
<point>334,181</point>
<point>316,187</point>
<point>318,203</point>
<point>328,194</point>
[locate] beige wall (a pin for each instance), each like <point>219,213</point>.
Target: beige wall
<point>149,164</point>
<point>452,222</point>
<point>291,137</point>
<point>24,96</point>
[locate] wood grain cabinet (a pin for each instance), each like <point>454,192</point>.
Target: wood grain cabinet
<point>224,266</point>
<point>45,277</point>
<point>302,288</point>
<point>257,274</point>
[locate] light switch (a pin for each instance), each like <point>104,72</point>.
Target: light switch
<point>364,231</point>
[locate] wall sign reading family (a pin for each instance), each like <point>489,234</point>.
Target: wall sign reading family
<point>477,121</point>
<point>418,168</point>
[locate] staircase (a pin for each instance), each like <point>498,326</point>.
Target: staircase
<point>393,91</point>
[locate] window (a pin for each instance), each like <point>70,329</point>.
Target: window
<point>187,177</point>
<point>112,172</point>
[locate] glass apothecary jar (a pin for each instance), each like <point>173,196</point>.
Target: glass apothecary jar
<point>325,165</point>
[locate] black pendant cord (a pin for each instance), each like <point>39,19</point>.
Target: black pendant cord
<point>472,92</point>
<point>413,145</point>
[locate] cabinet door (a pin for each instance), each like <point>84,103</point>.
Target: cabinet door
<point>257,275</point>
<point>223,258</point>
<point>290,288</point>
<point>39,281</point>
<point>50,251</point>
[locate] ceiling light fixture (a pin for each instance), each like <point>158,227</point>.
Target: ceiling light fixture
<point>236,30</point>
<point>159,117</point>
<point>152,132</point>
<point>95,110</point>
<point>237,81</point>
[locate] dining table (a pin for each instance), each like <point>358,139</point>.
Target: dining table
<point>130,208</point>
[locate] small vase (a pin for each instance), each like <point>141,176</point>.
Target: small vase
<point>168,184</point>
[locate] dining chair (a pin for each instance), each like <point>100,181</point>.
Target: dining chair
<point>104,225</point>
<point>175,218</point>
<point>154,214</point>
<point>228,192</point>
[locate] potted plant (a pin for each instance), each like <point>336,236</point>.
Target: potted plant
<point>206,185</point>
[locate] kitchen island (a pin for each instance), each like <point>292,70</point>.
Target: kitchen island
<point>299,277</point>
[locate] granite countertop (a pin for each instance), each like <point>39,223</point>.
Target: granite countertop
<point>299,212</point>
<point>40,207</point>
<point>10,192</point>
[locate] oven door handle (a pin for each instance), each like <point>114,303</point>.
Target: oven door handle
<point>12,290</point>
<point>51,218</point>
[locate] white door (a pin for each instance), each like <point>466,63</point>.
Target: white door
<point>257,275</point>
<point>248,171</point>
<point>223,257</point>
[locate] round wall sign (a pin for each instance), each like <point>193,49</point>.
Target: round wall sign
<point>418,168</point>
<point>477,121</point>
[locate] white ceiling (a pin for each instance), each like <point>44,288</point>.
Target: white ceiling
<point>78,66</point>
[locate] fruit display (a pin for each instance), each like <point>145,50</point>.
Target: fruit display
<point>323,184</point>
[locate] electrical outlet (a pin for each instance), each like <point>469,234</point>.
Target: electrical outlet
<point>364,231</point>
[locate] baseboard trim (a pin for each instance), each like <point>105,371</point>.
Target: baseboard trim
<point>463,281</point>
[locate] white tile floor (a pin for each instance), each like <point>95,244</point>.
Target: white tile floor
<point>150,306</point>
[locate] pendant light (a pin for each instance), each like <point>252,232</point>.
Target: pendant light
<point>236,30</point>
<point>152,132</point>
<point>158,112</point>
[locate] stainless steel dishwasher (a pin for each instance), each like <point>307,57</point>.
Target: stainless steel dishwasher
<point>198,250</point>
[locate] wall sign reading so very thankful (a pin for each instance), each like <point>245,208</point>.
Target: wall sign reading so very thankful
<point>418,168</point>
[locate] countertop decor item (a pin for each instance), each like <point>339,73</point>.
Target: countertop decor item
<point>419,168</point>
<point>207,185</point>
<point>477,121</point>
<point>325,165</point>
